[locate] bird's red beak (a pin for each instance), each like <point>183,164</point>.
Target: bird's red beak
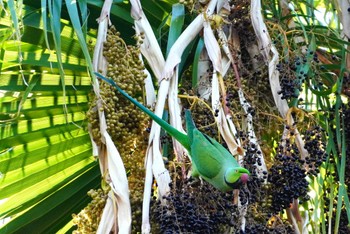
<point>244,178</point>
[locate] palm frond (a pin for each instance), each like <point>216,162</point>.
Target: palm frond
<point>45,163</point>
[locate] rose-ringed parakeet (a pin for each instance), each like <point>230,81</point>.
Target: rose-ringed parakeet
<point>210,159</point>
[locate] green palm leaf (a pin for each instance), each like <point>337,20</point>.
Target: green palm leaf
<point>45,162</point>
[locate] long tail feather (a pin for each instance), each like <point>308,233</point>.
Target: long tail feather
<point>179,136</point>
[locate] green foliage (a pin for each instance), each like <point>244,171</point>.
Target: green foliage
<point>45,162</point>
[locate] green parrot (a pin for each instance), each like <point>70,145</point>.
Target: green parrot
<point>210,160</point>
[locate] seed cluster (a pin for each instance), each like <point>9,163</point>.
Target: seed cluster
<point>190,4</point>
<point>290,83</point>
<point>88,219</point>
<point>295,70</point>
<point>259,196</point>
<point>276,229</point>
<point>126,69</point>
<point>252,159</point>
<point>316,147</point>
<point>194,207</point>
<point>126,124</point>
<point>241,21</point>
<point>288,179</point>
<point>194,6</point>
<point>288,174</point>
<point>204,120</point>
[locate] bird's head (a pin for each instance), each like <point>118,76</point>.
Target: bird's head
<point>235,177</point>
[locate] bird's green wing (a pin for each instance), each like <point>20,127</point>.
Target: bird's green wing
<point>190,126</point>
<point>205,156</point>
<point>224,153</point>
<point>179,136</point>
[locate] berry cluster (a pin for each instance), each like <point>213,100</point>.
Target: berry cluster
<point>204,119</point>
<point>290,83</point>
<point>287,176</point>
<point>294,73</point>
<point>242,23</point>
<point>194,207</point>
<point>260,228</point>
<point>316,148</point>
<point>251,160</point>
<point>258,196</point>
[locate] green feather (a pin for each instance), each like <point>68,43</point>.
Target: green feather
<point>179,136</point>
<point>190,126</point>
